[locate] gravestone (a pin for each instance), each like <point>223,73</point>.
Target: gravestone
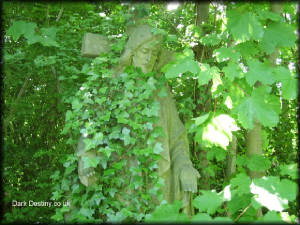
<point>94,44</point>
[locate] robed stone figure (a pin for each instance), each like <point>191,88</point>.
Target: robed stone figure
<point>144,50</point>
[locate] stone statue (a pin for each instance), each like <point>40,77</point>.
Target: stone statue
<point>144,50</point>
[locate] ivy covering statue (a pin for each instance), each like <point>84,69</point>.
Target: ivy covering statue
<point>144,51</point>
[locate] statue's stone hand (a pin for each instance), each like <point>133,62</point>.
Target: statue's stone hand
<point>188,178</point>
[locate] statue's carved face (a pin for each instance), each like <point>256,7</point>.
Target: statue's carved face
<point>145,57</point>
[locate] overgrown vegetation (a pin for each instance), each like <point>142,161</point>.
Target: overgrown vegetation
<point>234,77</point>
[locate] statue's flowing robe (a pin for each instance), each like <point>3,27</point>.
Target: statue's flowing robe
<point>175,154</point>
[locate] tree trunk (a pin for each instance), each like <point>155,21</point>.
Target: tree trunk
<point>231,158</point>
<point>202,16</point>
<point>253,137</point>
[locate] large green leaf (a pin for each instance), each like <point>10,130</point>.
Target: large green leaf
<point>218,131</point>
<point>208,202</point>
<point>269,193</point>
<point>260,105</point>
<point>290,169</point>
<point>278,35</point>
<point>20,27</point>
<point>247,49</point>
<point>182,66</point>
<point>288,83</point>
<point>258,163</point>
<point>242,183</point>
<point>206,73</point>
<point>272,216</point>
<point>167,213</point>
<point>48,36</point>
<point>210,39</point>
<point>258,71</point>
<point>244,26</point>
<point>201,119</point>
<point>232,71</point>
<point>201,217</point>
<point>225,53</point>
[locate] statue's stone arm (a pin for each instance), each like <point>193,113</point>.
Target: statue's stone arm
<point>179,151</point>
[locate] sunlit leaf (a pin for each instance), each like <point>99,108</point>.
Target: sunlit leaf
<point>209,201</point>
<point>219,131</point>
<point>244,26</point>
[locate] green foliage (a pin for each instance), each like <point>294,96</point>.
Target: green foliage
<point>215,132</point>
<point>208,202</point>
<point>278,35</point>
<point>223,78</point>
<point>244,25</point>
<point>183,63</point>
<point>261,106</point>
<point>167,213</point>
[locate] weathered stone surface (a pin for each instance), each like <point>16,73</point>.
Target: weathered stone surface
<point>94,44</point>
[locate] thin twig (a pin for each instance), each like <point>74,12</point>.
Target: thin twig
<point>215,107</point>
<point>59,14</point>
<point>245,210</point>
<point>11,111</point>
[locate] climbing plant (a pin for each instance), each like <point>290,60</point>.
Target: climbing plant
<point>234,70</point>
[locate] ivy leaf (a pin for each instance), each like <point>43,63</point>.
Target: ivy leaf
<point>157,148</point>
<point>288,83</point>
<point>206,73</point>
<point>290,169</point>
<point>21,27</point>
<point>76,105</point>
<point>242,183</point>
<point>87,212</point>
<point>222,54</point>
<point>126,135</point>
<point>278,35</point>
<point>259,72</point>
<point>208,202</point>
<point>90,161</point>
<point>244,26</point>
<point>258,163</point>
<point>232,71</point>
